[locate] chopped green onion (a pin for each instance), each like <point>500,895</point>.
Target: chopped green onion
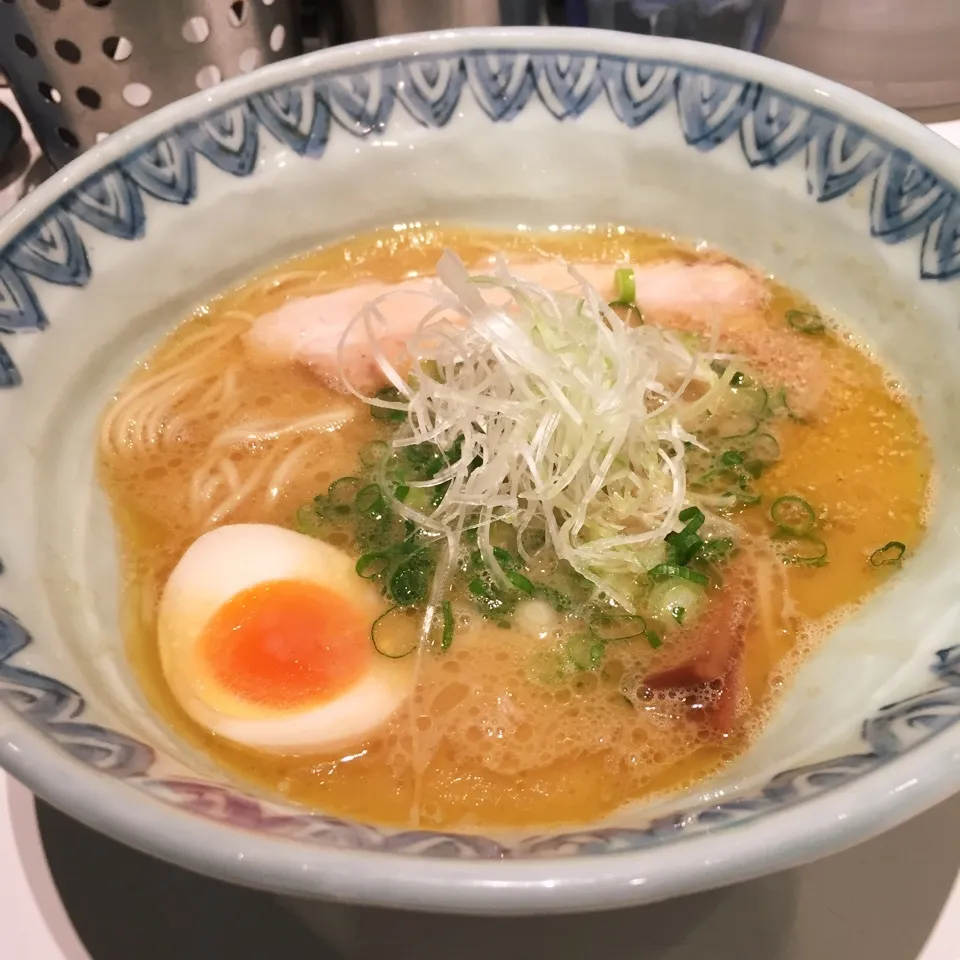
<point>780,404</point>
<point>446,611</point>
<point>369,501</point>
<point>667,595</point>
<point>343,491</point>
<point>559,601</point>
<point>584,651</point>
<point>626,285</point>
<point>611,627</point>
<point>752,400</point>
<point>430,368</point>
<point>418,498</point>
<point>889,555</point>
<point>390,395</point>
<point>489,599</point>
<point>791,413</point>
<point>397,468</point>
<point>373,453</point>
<point>508,564</point>
<point>737,380</point>
<point>684,546</point>
<point>456,449</point>
<point>506,559</point>
<point>307,520</point>
<point>408,584</point>
<point>766,448</point>
<point>665,570</point>
<point>653,638</point>
<point>802,551</point>
<point>406,545</point>
<point>341,495</point>
<point>396,633</point>
<point>520,582</point>
<point>805,322</point>
<point>739,425</point>
<point>426,456</point>
<point>793,515</point>
<point>693,518</point>
<point>632,309</point>
<point>743,469</point>
<point>372,565</point>
<point>421,556</point>
<point>727,500</point>
<point>385,533</point>
<point>714,550</point>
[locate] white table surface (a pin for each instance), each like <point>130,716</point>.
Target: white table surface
<point>895,898</point>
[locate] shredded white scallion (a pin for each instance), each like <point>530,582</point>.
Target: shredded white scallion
<point>578,420</point>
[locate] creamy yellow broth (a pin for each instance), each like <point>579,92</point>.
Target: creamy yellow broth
<point>487,743</point>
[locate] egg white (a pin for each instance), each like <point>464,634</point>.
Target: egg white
<point>231,559</point>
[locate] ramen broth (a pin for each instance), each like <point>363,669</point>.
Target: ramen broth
<point>489,738</point>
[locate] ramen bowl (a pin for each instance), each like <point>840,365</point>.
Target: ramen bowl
<point>838,196</point>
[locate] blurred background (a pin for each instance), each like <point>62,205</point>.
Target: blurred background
<point>76,71</point>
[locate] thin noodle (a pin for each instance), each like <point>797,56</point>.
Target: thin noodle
<point>288,466</point>
<point>137,417</point>
<point>279,465</point>
<point>271,286</point>
<point>237,497</point>
<point>261,431</point>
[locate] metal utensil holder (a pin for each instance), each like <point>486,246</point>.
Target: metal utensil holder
<point>82,69</point>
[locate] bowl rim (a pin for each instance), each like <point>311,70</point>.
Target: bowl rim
<point>847,814</point>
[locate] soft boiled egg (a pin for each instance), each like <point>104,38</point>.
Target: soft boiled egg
<point>264,639</point>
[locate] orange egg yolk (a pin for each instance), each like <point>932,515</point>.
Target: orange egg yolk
<point>286,643</point>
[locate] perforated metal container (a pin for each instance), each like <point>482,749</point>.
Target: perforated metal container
<point>82,69</point>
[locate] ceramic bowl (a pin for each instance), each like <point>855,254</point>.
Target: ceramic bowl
<point>841,197</point>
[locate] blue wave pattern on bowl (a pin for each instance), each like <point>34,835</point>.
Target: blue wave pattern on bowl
<point>907,201</point>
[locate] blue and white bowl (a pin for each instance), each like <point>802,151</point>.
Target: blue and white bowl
<point>850,202</point>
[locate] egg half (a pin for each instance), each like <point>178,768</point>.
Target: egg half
<point>264,639</point>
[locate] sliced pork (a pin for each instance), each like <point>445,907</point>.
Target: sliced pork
<point>309,330</point>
